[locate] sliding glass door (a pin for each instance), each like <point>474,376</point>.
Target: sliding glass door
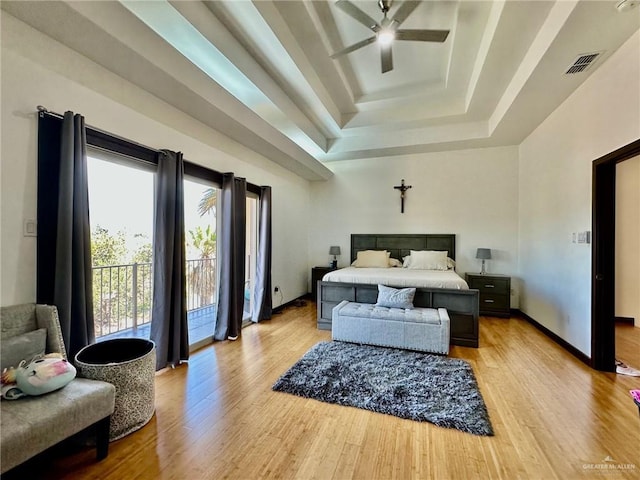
<point>121,204</point>
<point>200,208</point>
<point>121,217</point>
<point>251,253</point>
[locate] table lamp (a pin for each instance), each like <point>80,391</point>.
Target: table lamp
<point>335,251</point>
<point>483,254</point>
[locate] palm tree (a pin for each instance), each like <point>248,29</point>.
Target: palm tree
<point>208,202</point>
<point>201,273</point>
<point>204,241</point>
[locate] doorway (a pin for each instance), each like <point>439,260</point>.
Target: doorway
<point>200,208</point>
<point>627,269</point>
<point>120,193</point>
<point>603,354</point>
<point>251,250</point>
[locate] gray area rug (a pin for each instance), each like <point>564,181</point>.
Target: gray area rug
<point>412,385</point>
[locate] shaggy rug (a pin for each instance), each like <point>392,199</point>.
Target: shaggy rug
<point>417,386</point>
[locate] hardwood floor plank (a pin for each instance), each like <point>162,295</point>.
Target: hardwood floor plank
<point>628,344</point>
<point>347,461</point>
<point>217,418</point>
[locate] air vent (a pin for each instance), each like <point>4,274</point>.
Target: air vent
<point>581,63</point>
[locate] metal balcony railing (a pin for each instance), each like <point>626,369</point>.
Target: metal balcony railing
<point>122,294</point>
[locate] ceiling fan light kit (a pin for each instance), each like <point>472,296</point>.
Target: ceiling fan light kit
<point>386,32</point>
<point>386,36</point>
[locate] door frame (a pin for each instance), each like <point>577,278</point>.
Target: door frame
<point>603,256</point>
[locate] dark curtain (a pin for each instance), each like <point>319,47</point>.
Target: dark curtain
<point>262,289</point>
<point>64,240</point>
<point>231,257</point>
<point>169,328</point>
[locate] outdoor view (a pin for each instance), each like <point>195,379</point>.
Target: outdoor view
<point>121,199</point>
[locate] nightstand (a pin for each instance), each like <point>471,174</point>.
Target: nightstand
<point>316,274</point>
<point>495,293</point>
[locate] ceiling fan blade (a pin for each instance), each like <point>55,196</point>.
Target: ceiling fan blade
<point>350,9</point>
<point>422,35</point>
<point>386,57</point>
<point>353,47</point>
<point>405,9</point>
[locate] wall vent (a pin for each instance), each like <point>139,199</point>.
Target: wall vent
<point>581,63</point>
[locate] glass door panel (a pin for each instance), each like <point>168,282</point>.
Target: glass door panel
<point>200,202</point>
<point>251,254</point>
<point>121,217</point>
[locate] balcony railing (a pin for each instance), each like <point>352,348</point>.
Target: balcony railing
<point>122,294</point>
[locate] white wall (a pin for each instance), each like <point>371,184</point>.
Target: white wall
<point>39,71</point>
<point>555,193</point>
<point>472,193</point>
<point>628,239</point>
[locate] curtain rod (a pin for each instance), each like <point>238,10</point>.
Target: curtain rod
<point>44,111</point>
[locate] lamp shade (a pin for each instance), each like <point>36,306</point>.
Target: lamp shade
<point>334,250</point>
<point>483,253</point>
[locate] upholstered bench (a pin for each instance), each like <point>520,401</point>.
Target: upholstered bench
<point>421,329</point>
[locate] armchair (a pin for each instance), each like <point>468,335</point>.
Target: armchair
<point>30,425</point>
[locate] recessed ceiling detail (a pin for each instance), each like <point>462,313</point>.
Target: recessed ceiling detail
<point>261,72</point>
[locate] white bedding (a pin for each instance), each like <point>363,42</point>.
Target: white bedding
<point>398,277</point>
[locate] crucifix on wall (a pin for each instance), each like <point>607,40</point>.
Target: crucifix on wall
<point>403,188</point>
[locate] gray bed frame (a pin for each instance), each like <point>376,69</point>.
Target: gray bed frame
<point>462,305</point>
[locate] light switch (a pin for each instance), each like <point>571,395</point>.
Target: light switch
<point>30,228</point>
<point>584,237</point>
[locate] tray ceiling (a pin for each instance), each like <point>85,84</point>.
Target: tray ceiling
<point>261,73</point>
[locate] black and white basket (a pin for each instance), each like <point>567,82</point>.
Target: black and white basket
<point>129,364</point>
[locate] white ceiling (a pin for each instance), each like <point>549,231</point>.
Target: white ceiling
<point>261,71</point>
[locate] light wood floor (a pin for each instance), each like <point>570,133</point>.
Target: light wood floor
<point>628,346</point>
<point>218,418</point>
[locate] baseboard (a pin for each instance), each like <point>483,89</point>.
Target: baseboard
<point>296,302</point>
<point>560,341</point>
<point>626,320</point>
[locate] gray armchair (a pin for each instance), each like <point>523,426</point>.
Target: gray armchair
<point>30,425</point>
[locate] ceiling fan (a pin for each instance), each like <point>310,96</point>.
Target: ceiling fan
<point>387,30</point>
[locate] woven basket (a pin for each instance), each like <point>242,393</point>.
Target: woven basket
<point>129,364</point>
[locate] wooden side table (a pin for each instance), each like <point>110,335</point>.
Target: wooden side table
<point>495,293</point>
<point>316,274</point>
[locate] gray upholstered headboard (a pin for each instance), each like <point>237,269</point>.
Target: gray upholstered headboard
<point>400,244</point>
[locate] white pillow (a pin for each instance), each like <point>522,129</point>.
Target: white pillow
<point>451,264</point>
<point>372,259</point>
<point>428,260</point>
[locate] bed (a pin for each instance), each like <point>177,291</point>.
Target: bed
<point>361,284</point>
<point>399,277</point>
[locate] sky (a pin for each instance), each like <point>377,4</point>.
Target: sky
<point>121,199</point>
